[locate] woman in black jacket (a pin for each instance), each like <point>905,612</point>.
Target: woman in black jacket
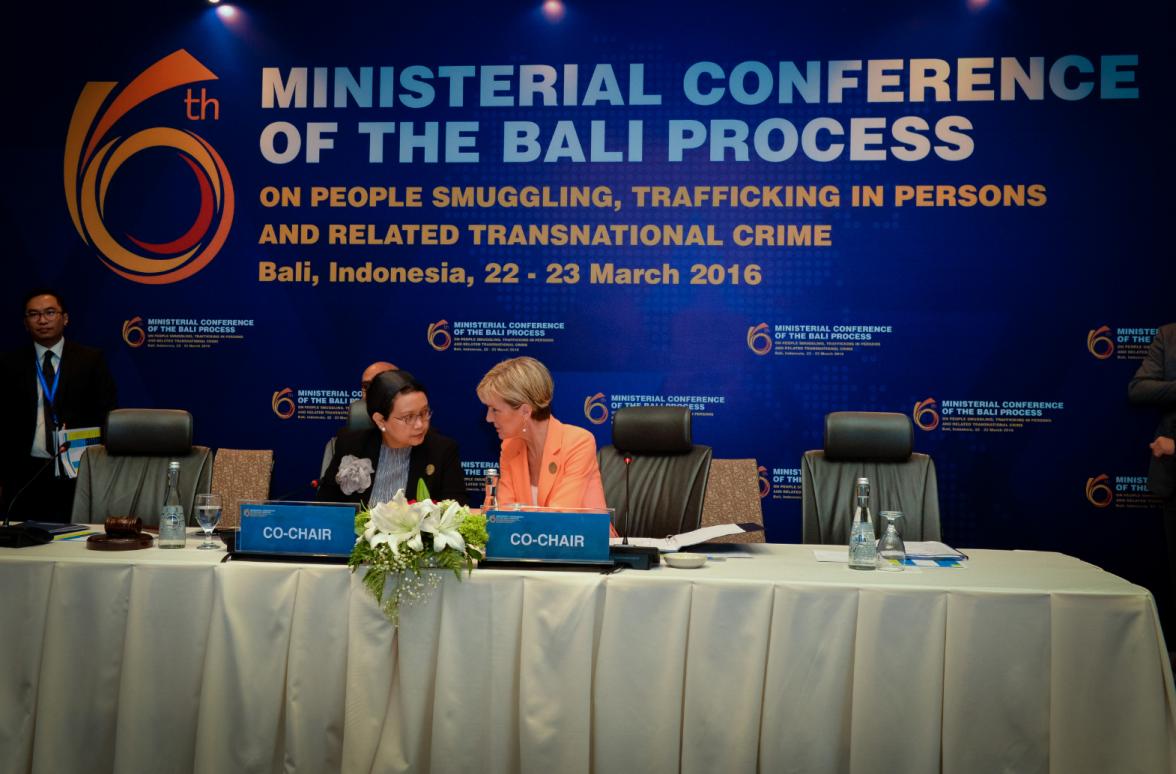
<point>369,466</point>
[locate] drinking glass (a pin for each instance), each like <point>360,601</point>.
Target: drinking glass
<point>891,549</point>
<point>208,515</point>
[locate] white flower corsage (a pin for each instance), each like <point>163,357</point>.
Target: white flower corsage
<point>355,474</point>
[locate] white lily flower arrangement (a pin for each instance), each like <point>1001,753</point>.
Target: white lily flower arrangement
<point>398,540</point>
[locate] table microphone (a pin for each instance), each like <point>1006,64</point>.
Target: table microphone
<point>314,485</point>
<point>18,536</point>
<point>62,449</point>
<point>628,461</point>
<point>635,557</point>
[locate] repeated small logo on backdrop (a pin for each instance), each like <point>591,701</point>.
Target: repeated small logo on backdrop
<point>502,337</point>
<point>815,339</point>
<point>759,340</point>
<point>984,416</point>
<point>1124,492</point>
<point>438,335</point>
<point>779,483</point>
<point>133,333</point>
<point>314,403</point>
<point>184,332</point>
<point>598,407</point>
<point>93,156</point>
<point>1098,492</point>
<point>474,472</point>
<point>1121,343</point>
<point>1099,344</point>
<point>925,415</point>
<point>283,403</point>
<point>595,409</point>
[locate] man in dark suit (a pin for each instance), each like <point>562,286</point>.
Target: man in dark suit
<point>1154,384</point>
<point>52,385</point>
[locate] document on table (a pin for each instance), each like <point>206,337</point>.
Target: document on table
<point>684,540</point>
<point>932,549</point>
<point>919,554</point>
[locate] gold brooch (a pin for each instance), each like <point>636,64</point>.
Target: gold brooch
<point>429,469</point>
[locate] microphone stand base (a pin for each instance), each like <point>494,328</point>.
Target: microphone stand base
<point>635,557</point>
<point>16,536</point>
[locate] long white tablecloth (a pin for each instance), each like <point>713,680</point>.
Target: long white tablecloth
<point>167,661</point>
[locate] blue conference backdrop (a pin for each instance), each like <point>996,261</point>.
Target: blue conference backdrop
<point>762,211</point>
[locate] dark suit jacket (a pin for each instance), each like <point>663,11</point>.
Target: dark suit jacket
<point>1154,384</point>
<point>86,393</point>
<point>436,461</point>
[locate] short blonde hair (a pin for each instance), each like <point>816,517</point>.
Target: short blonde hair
<point>520,381</point>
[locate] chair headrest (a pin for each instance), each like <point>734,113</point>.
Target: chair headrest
<point>872,436</point>
<point>358,417</point>
<point>149,432</point>
<point>652,430</point>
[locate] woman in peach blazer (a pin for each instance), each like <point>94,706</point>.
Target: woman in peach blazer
<point>544,462</point>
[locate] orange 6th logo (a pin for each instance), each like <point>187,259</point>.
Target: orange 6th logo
<point>93,157</point>
<point>438,335</point>
<point>925,414</point>
<point>759,340</point>
<point>1098,491</point>
<point>1099,344</point>
<point>133,333</point>
<point>595,409</point>
<point>765,485</point>
<point>283,403</point>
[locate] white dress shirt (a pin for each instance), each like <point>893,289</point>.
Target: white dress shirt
<point>39,449</point>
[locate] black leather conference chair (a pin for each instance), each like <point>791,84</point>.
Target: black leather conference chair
<point>667,475</point>
<point>878,446</point>
<point>126,475</point>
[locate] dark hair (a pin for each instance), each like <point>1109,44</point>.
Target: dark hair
<point>42,292</point>
<point>386,386</point>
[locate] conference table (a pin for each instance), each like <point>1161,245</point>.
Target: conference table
<point>175,661</point>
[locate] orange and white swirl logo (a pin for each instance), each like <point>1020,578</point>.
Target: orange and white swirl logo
<point>759,340</point>
<point>1098,491</point>
<point>925,414</point>
<point>439,336</point>
<point>1100,345</point>
<point>283,403</point>
<point>93,157</point>
<point>765,485</point>
<point>595,409</point>
<point>133,333</point>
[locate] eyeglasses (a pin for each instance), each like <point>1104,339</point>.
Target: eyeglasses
<point>37,314</point>
<point>411,419</point>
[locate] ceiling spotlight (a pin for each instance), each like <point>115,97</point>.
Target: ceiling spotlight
<point>553,10</point>
<point>225,11</point>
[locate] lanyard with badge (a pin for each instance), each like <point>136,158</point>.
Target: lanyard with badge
<point>50,394</point>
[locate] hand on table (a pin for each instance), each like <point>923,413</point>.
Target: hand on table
<point>1163,446</point>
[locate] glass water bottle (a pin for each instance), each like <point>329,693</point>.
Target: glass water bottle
<point>171,517</point>
<point>863,548</point>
